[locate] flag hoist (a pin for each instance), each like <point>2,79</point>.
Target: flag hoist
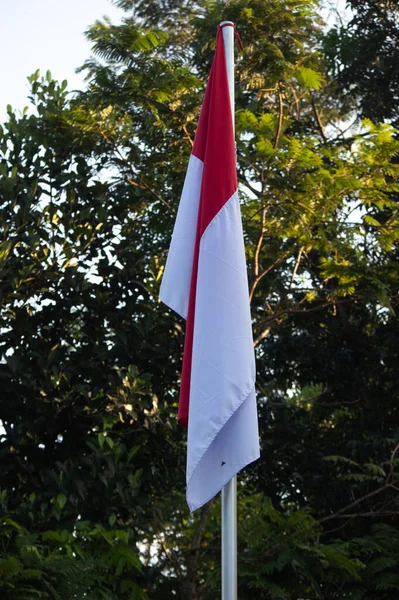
<point>205,281</point>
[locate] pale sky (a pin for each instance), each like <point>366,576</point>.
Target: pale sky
<point>45,34</point>
<point>49,34</point>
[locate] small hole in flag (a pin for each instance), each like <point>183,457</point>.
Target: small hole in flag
<point>223,463</point>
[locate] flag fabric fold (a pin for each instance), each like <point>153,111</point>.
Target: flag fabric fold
<point>205,281</point>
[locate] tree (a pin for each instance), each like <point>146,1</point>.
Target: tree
<point>363,55</point>
<point>90,188</point>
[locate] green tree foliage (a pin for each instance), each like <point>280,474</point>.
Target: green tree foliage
<point>88,562</point>
<point>69,403</point>
<point>363,56</point>
<point>93,461</point>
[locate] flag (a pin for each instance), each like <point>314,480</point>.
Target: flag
<point>205,281</point>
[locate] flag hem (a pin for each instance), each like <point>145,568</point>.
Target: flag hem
<point>246,461</point>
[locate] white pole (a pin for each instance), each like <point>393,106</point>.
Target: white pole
<point>228,38</point>
<point>229,492</point>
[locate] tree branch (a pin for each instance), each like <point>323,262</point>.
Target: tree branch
<point>262,335</point>
<point>298,260</point>
<point>280,120</point>
<point>145,186</point>
<point>391,467</point>
<point>368,514</point>
<point>265,272</point>
<point>188,587</point>
<point>242,179</point>
<point>257,251</point>
<point>184,127</point>
<point>318,120</point>
<point>296,310</point>
<point>342,511</point>
<point>296,100</point>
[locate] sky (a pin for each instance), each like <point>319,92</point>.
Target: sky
<point>49,35</point>
<point>45,35</point>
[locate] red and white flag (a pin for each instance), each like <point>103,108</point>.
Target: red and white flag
<point>205,281</point>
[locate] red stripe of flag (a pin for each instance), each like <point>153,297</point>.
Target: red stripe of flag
<point>214,146</point>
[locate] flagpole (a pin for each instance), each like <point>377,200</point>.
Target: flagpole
<point>229,492</point>
<point>229,540</point>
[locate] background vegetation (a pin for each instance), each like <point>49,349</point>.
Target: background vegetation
<point>92,482</point>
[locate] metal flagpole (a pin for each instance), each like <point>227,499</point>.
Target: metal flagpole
<point>229,540</point>
<point>229,492</point>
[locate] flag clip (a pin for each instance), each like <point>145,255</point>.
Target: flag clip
<point>237,35</point>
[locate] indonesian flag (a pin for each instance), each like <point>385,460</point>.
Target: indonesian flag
<point>205,281</point>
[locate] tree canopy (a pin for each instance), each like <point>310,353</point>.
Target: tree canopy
<point>92,486</point>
